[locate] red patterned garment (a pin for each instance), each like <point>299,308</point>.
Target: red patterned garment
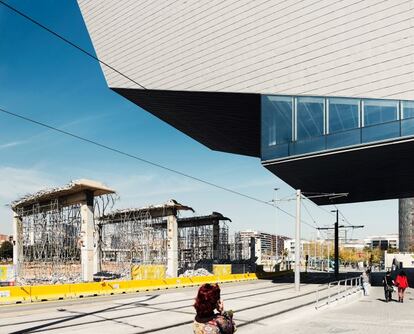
<point>401,281</point>
<point>217,324</point>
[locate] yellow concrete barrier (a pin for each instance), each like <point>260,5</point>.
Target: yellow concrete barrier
<point>50,292</point>
<point>148,271</point>
<point>19,294</point>
<point>221,269</point>
<point>15,294</point>
<point>178,282</point>
<point>86,289</point>
<point>147,285</point>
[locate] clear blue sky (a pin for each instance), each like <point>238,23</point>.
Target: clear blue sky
<point>43,78</point>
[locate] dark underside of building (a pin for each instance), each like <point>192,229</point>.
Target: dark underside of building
<point>231,122</point>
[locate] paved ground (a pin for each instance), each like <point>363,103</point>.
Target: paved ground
<point>368,314</point>
<point>261,307</point>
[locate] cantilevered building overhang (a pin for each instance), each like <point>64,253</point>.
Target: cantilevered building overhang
<point>268,79</point>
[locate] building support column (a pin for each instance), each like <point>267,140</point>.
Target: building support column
<point>216,240</point>
<point>17,244</point>
<point>97,256</point>
<point>87,241</point>
<point>406,224</point>
<point>172,246</point>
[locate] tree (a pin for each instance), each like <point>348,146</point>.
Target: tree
<point>6,250</point>
<point>391,250</point>
<point>377,255</point>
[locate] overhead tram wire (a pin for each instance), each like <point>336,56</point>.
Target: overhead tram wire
<point>343,216</point>
<point>69,42</point>
<point>309,214</point>
<point>111,148</point>
<point>344,219</point>
<point>319,207</point>
<point>129,155</point>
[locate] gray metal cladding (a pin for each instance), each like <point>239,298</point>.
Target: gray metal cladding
<point>301,47</point>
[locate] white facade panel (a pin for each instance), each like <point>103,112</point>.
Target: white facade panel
<point>309,47</point>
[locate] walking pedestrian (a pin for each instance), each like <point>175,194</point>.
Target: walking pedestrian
<point>365,283</point>
<point>207,321</point>
<point>388,286</point>
<point>401,282</point>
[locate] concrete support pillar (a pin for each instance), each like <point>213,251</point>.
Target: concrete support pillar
<point>97,256</point>
<point>406,224</point>
<point>17,244</point>
<point>252,246</point>
<point>258,250</point>
<point>87,242</point>
<point>216,240</point>
<point>172,246</point>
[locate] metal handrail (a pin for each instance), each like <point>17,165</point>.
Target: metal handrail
<point>335,292</point>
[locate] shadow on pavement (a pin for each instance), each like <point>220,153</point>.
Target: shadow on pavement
<point>312,277</point>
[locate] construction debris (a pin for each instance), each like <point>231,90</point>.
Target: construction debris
<point>196,272</point>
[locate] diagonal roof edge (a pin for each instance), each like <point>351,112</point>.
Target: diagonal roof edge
<point>71,188</point>
<point>214,214</point>
<point>171,204</point>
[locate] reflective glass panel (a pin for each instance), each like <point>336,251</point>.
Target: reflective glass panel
<point>343,114</point>
<point>407,127</point>
<point>343,139</point>
<point>309,117</point>
<point>277,116</point>
<point>379,111</point>
<point>381,131</point>
<point>275,152</point>
<point>314,144</point>
<point>407,109</point>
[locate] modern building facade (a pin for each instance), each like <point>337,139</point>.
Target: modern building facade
<point>383,242</point>
<point>321,91</point>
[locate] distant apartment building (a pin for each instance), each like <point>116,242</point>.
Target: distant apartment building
<point>383,242</point>
<point>264,245</point>
<point>289,247</point>
<point>357,245</point>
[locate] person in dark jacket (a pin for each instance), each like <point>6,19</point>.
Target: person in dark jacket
<point>388,286</point>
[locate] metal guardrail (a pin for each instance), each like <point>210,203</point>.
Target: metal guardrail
<point>337,290</point>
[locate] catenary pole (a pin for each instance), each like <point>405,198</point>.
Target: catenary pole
<point>337,245</point>
<point>297,241</point>
<point>277,239</point>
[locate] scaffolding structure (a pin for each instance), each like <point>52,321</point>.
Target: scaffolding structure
<point>49,231</point>
<point>51,249</point>
<point>131,236</point>
<point>203,240</point>
<point>140,236</point>
<point>195,244</point>
<point>65,235</point>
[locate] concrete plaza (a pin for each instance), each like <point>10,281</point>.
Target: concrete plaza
<point>261,307</point>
